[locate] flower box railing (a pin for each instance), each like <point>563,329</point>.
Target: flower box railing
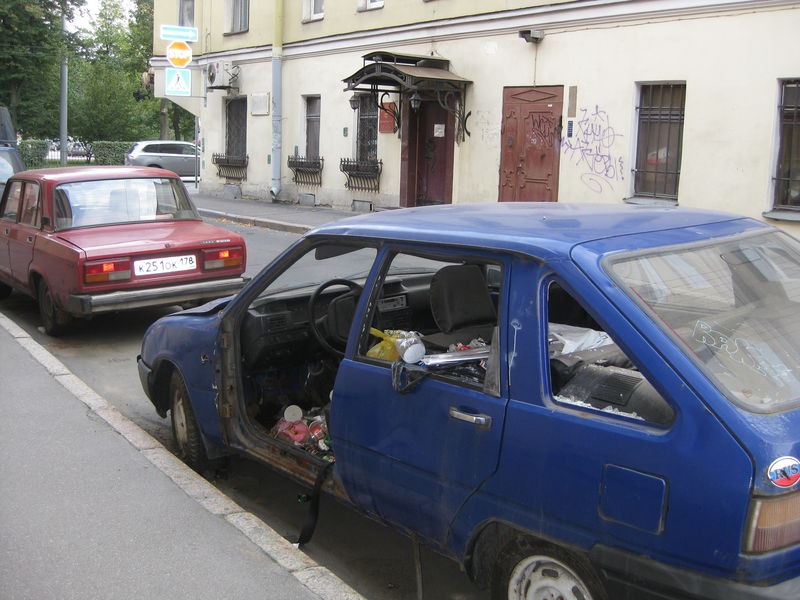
<point>362,175</point>
<point>306,170</point>
<point>230,166</point>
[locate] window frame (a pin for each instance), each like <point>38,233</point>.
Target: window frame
<point>186,13</point>
<point>13,199</point>
<point>366,139</point>
<point>555,398</point>
<point>310,11</point>
<point>650,117</point>
<point>787,162</point>
<point>238,16</point>
<point>313,125</point>
<point>365,5</point>
<point>30,212</point>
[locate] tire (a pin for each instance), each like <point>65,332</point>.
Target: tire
<point>54,320</point>
<point>5,291</point>
<point>185,430</point>
<point>526,569</point>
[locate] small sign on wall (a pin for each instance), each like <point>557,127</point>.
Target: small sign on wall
<point>385,118</point>
<point>259,103</point>
<point>438,130</point>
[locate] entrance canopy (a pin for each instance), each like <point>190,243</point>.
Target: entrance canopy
<point>392,72</point>
<point>416,78</point>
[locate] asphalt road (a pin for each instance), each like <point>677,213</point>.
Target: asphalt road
<point>371,558</point>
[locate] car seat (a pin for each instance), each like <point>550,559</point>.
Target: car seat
<point>461,305</point>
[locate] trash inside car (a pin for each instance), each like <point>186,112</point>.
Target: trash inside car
<point>573,401</point>
<point>90,240</point>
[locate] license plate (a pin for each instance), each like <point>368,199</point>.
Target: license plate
<point>169,264</point>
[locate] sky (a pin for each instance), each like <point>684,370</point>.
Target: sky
<point>84,17</point>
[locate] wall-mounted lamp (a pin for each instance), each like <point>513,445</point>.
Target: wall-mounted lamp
<point>532,36</point>
<point>415,101</point>
<point>354,101</point>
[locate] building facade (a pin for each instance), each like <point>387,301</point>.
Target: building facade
<point>375,104</point>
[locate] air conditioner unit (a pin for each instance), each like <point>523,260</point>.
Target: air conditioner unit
<point>222,74</point>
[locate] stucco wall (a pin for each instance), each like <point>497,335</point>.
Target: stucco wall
<point>731,63</point>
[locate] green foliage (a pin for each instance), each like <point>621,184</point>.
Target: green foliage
<point>33,153</point>
<point>31,46</point>
<point>110,153</point>
<point>105,62</point>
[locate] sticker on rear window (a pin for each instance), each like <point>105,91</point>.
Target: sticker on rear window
<point>784,472</point>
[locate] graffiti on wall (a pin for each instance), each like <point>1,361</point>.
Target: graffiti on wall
<point>591,147</point>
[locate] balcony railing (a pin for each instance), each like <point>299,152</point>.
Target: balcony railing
<point>362,175</point>
<point>231,167</point>
<point>306,170</point>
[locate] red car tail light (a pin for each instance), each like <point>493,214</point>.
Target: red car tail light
<point>220,258</point>
<point>774,523</point>
<point>112,270</point>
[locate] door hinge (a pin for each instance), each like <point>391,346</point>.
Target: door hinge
<point>225,340</point>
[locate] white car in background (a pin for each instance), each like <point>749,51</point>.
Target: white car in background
<point>180,157</point>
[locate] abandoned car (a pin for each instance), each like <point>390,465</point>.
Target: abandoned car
<point>584,401</point>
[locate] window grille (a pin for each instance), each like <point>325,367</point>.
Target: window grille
<point>660,138</point>
<point>367,144</point>
<point>787,177</point>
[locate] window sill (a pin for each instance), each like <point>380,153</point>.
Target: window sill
<point>235,32</point>
<point>781,215</point>
<point>313,19</point>
<point>650,201</point>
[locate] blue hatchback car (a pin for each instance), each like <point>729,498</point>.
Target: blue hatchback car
<point>572,401</point>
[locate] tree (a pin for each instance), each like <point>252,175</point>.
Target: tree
<point>31,47</point>
<point>106,75</point>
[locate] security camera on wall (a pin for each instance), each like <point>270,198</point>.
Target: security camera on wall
<point>532,36</point>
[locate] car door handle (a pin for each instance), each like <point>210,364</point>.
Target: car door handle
<point>29,239</point>
<point>484,421</point>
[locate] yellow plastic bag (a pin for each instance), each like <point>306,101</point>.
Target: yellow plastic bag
<point>386,348</point>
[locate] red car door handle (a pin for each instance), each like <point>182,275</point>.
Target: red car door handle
<point>476,419</point>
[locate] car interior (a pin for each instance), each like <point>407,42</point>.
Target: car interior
<point>293,340</point>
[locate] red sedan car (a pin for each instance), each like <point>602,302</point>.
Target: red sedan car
<point>89,240</point>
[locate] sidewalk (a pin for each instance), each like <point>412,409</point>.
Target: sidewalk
<point>94,507</point>
<point>294,218</point>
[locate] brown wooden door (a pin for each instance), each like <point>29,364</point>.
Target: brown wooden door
<point>427,155</point>
<point>530,144</point>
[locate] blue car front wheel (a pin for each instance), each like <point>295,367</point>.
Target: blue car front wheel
<point>185,430</point>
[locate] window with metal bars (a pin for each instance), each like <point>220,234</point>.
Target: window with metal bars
<point>787,176</point>
<point>236,127</point>
<point>660,138</point>
<point>367,146</point>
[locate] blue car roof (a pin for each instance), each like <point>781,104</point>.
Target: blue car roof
<point>530,227</point>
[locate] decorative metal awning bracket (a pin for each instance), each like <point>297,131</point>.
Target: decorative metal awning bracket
<point>457,109</point>
<point>393,110</point>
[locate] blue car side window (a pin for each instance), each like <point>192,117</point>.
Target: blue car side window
<point>589,371</point>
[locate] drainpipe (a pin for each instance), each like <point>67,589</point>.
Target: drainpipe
<point>277,92</point>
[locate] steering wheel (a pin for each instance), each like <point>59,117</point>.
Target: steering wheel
<point>333,328</point>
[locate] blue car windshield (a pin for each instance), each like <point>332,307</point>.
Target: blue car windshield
<point>114,201</point>
<point>733,305</point>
